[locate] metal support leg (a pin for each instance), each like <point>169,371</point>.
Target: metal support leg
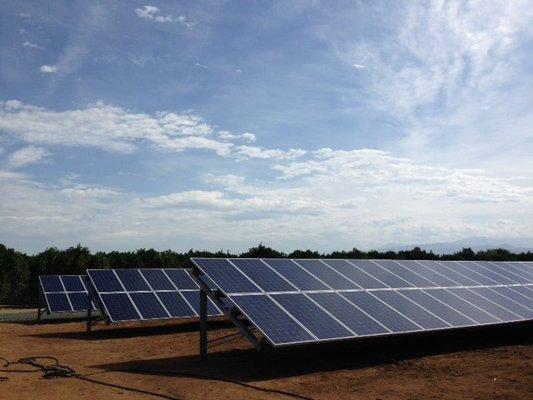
<point>89,310</point>
<point>203,325</point>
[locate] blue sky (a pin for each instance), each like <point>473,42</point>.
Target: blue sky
<point>220,124</point>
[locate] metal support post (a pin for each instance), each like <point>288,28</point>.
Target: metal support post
<point>89,309</point>
<point>203,325</point>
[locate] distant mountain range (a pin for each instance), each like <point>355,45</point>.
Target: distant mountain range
<point>515,245</point>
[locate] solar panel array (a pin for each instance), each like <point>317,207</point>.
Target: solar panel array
<point>64,293</point>
<point>147,294</point>
<point>299,301</point>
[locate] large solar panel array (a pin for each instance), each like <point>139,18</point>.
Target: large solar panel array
<point>299,301</point>
<point>147,294</point>
<point>64,293</point>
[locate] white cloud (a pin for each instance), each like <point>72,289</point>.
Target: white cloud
<point>330,200</point>
<point>116,129</point>
<point>33,46</point>
<point>26,156</point>
<point>48,69</point>
<point>437,69</point>
<point>152,13</point>
<point>359,66</point>
<point>246,136</point>
<point>24,15</point>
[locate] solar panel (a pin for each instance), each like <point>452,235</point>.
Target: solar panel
<point>302,300</point>
<point>147,294</point>
<point>64,293</point>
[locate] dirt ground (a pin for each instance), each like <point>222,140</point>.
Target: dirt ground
<point>161,358</point>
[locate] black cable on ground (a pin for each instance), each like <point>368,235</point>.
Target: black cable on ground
<point>56,370</point>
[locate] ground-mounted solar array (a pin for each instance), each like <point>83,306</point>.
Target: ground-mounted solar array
<point>64,293</point>
<point>147,294</point>
<point>300,301</point>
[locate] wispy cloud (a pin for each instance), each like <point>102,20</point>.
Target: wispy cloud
<point>26,156</point>
<point>437,69</point>
<point>116,129</point>
<point>48,69</point>
<point>152,13</point>
<point>32,46</point>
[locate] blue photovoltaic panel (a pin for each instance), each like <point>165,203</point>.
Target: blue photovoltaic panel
<point>442,268</point>
<point>132,280</point>
<point>64,293</point>
<point>336,299</point>
<point>105,280</point>
<point>429,274</point>
<point>181,279</point>
<point>525,269</point>
<point>148,294</point>
<point>504,271</point>
<point>463,306</point>
<point>51,283</point>
<point>263,275</point>
<point>276,325</point>
<point>488,306</point>
<point>327,274</point>
<point>410,309</point>
<point>475,276</point>
<point>78,301</point>
<point>382,274</point>
<point>503,301</point>
<point>225,275</point>
<point>355,274</point>
<point>474,272</point>
<point>73,283</point>
<point>490,273</point>
<point>509,269</point>
<point>524,291</point>
<point>157,279</point>
<point>119,307</point>
<point>450,315</point>
<point>299,277</point>
<point>149,305</point>
<point>193,297</point>
<point>515,296</point>
<point>381,312</point>
<point>359,322</point>
<point>58,302</point>
<point>176,304</point>
<point>320,323</point>
<point>406,275</point>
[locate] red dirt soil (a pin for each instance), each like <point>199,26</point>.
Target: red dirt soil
<point>494,363</point>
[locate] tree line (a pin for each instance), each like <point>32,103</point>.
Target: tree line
<point>19,272</point>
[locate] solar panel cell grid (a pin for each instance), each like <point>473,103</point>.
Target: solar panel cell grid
<point>334,299</point>
<point>299,277</point>
<point>51,283</point>
<point>381,312</point>
<point>327,274</point>
<point>405,277</point>
<point>58,302</point>
<point>147,294</point>
<point>411,310</point>
<point>157,279</point>
<point>350,270</point>
<point>267,279</point>
<point>181,279</point>
<point>132,280</point>
<point>359,322</point>
<point>64,293</point>
<point>463,306</point>
<point>320,323</point>
<point>443,311</point>
<point>275,323</point>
